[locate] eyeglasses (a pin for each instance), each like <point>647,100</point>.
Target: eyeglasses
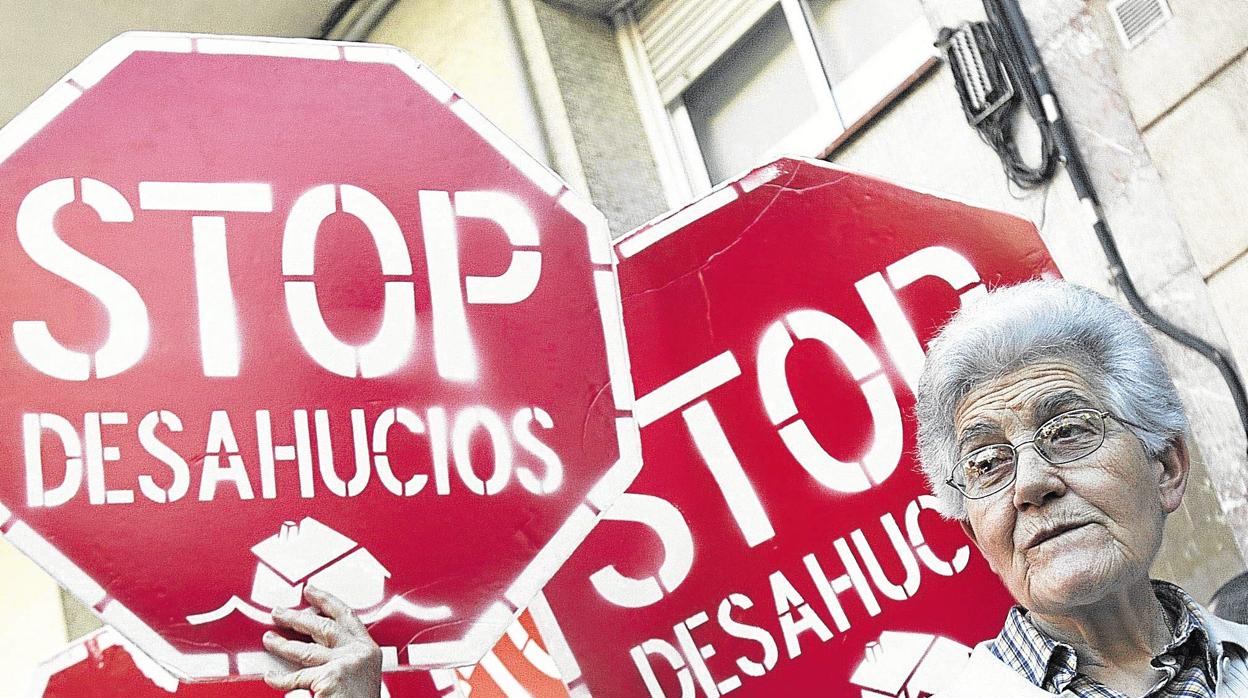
<point>1067,437</point>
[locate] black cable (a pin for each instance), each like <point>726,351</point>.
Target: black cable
<point>335,16</point>
<point>1016,66</point>
<point>1014,26</point>
<point>991,80</point>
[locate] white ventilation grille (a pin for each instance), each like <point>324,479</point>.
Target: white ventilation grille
<point>1136,20</point>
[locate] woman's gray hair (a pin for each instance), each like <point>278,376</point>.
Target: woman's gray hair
<point>1015,326</point>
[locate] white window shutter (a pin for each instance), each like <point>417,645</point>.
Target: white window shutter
<point>682,38</point>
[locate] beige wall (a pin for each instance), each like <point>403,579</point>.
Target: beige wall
<point>472,45</point>
<point>32,626</point>
<point>1190,104</point>
<point>553,79</point>
<point>604,127</point>
<point>41,40</point>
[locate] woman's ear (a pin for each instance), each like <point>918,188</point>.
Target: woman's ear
<point>1172,481</point>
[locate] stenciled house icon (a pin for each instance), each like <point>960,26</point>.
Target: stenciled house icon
<point>909,665</point>
<point>309,552</point>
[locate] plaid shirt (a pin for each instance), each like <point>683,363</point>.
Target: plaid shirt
<point>1189,669</point>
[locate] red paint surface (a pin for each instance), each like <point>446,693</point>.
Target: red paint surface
<point>801,241</point>
<point>294,124</point>
<point>538,678</point>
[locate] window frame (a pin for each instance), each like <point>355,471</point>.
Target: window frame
<point>842,110</point>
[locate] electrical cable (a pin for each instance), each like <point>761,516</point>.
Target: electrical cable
<point>335,16</point>
<point>991,79</point>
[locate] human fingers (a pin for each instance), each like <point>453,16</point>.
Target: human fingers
<point>289,681</point>
<point>304,653</point>
<point>353,672</point>
<point>333,607</point>
<point>324,630</point>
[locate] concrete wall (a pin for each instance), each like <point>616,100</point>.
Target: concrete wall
<point>1187,87</point>
<point>603,118</point>
<point>1207,537</point>
<point>552,78</point>
<point>33,625</point>
<point>41,40</point>
<point>473,46</point>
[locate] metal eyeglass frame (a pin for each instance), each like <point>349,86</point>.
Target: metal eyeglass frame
<point>1014,449</point>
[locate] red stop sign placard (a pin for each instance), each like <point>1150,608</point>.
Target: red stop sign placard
<point>779,541</point>
<point>281,313</point>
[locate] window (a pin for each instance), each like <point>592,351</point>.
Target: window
<point>728,84</point>
<point>749,99</point>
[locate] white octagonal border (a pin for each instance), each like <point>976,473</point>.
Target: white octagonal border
<point>480,637</point>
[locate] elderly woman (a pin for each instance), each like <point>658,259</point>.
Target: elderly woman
<point>1050,429</point>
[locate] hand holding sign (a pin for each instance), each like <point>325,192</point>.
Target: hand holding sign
<point>343,662</point>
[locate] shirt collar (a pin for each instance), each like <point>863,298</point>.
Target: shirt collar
<point>1047,663</point>
<point>1187,619</point>
<point>1025,649</point>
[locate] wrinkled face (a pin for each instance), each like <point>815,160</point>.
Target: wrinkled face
<point>1065,536</point>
